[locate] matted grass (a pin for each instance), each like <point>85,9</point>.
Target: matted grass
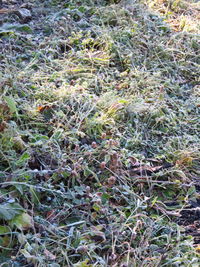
<point>99,126</point>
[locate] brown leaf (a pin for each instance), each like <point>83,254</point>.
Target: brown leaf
<point>148,170</point>
<point>97,235</point>
<point>3,126</point>
<point>49,255</point>
<point>134,161</point>
<point>42,108</point>
<point>166,212</point>
<point>6,11</point>
<point>51,215</point>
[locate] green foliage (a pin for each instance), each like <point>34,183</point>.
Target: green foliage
<point>9,210</point>
<point>22,221</point>
<point>9,29</point>
<point>99,135</point>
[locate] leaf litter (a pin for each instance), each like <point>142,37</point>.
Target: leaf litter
<point>99,126</point>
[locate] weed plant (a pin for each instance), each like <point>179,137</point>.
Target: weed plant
<point>99,133</point>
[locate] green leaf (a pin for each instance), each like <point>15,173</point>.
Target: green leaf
<point>23,159</point>
<point>57,135</point>
<point>23,28</point>
<point>4,230</point>
<point>10,210</point>
<point>191,190</point>
<point>21,238</point>
<point>88,172</point>
<point>83,264</point>
<point>154,201</point>
<point>34,195</point>
<point>22,221</point>
<point>10,28</point>
<point>11,104</point>
<point>104,198</point>
<point>28,256</point>
<point>19,188</point>
<point>96,207</point>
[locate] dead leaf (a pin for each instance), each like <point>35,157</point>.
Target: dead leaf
<point>148,170</point>
<point>3,126</point>
<point>42,108</point>
<point>22,221</point>
<point>98,236</point>
<point>51,215</point>
<point>6,11</point>
<point>134,161</point>
<point>197,248</point>
<point>166,212</point>
<point>49,255</point>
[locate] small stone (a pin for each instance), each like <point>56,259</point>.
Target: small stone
<point>111,180</point>
<point>82,249</point>
<point>24,15</point>
<point>94,145</point>
<point>103,135</point>
<point>87,189</point>
<point>103,165</point>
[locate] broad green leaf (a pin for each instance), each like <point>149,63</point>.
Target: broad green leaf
<point>191,190</point>
<point>5,33</point>
<point>5,241</point>
<point>22,221</point>
<point>83,264</point>
<point>34,195</point>
<point>4,230</point>
<point>10,28</point>
<point>96,207</point>
<point>57,135</point>
<point>28,256</point>
<point>23,159</point>
<point>23,28</point>
<point>21,238</point>
<point>88,172</point>
<point>11,104</point>
<point>19,188</point>
<point>9,210</point>
<point>154,201</point>
<point>104,198</point>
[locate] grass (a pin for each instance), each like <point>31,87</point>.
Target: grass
<point>99,126</point>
